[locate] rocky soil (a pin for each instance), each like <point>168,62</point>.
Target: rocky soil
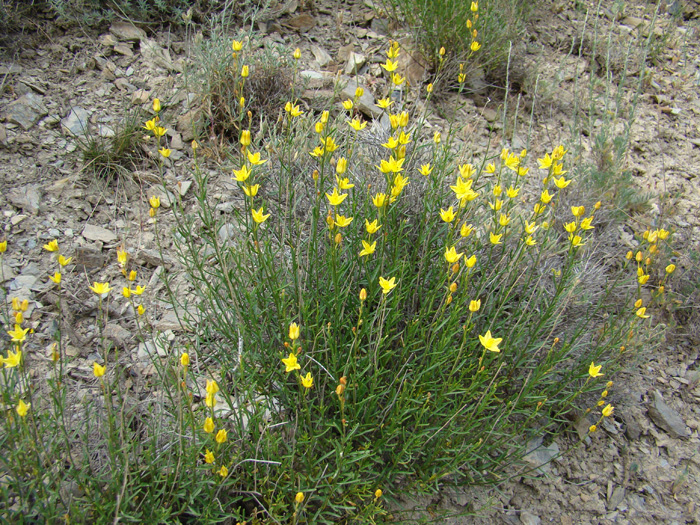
<point>643,466</point>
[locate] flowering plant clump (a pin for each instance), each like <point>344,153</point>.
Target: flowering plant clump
<point>385,316</point>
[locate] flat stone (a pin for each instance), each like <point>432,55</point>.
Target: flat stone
<point>365,103</point>
<point>127,32</point>
<point>26,110</point>
<point>97,233</point>
<point>354,63</point>
<point>117,334</point>
<point>527,518</point>
<point>140,97</point>
<point>540,456</point>
<point>666,418</point>
<point>124,49</point>
<point>77,122</point>
<point>26,197</point>
<point>321,56</point>
<point>616,498</point>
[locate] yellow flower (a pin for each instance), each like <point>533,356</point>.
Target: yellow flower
<point>341,166</point>
<point>13,359</point>
<point>139,290</point>
<point>558,152</point>
<point>342,222</point>
<point>570,227</point>
<point>546,197</point>
<point>294,331</point>
<point>210,400</point>
<point>576,240</point>
<point>335,198</point>
<point>496,206</point>
<point>208,425</point>
<point>425,169</point>
<point>641,313</point>
<point>578,211</point>
<point>391,143</point>
<point>608,410</point>
<point>378,493</point>
<point>299,498</point>
<point>245,138</point>
<point>212,387</point>
<point>503,219</point>
<point>447,215</point>
<point>150,125</point>
<point>258,216</point>
<point>372,227</point>
<point>392,165</point>
<point>307,381</point>
<point>592,428</point>
<point>297,54</point>
<point>100,288</point>
<point>291,363</point>
<point>475,6</point>
<point>255,160</point>
<point>466,230</point>
<point>451,255</point>
<point>18,334</point>
<point>475,46</point>
<point>56,278</point>
<point>670,268</point>
<point>156,105</point>
<point>363,295</point>
<point>348,104</point>
<point>586,223</point>
<point>251,191</point>
<point>390,65</point>
<point>495,239</point>
<point>23,408</point>
<point>387,285</point>
<point>140,309</point>
<point>242,174</point>
<point>642,279</point>
<point>221,436</point>
<point>437,137</point>
<point>164,151</point>
<point>379,200</point>
<point>471,261</point>
<point>512,192</point>
<point>594,371</point>
<point>209,457</point>
<point>530,241</point>
<point>223,471</point>
<point>368,249</point>
<point>98,370</point>
<point>397,79</point>
<point>159,131</point>
<point>429,88</point>
<point>490,343</point>
<point>293,110</point>
<point>236,45</point>
<point>3,246</point>
<point>474,305</point>
<point>545,162</point>
<point>154,202</point>
<point>384,102</point>
<point>132,275</point>
<point>357,125</point>
<point>539,208</point>
<point>245,71</point>
<point>561,182</point>
<point>185,359</point>
<point>52,246</point>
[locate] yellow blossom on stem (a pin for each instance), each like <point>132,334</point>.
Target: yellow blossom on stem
<point>291,363</point>
<point>641,313</point>
<point>294,331</point>
<point>221,436</point>
<point>379,199</point>
<point>335,198</point>
<point>297,54</point>
<point>140,309</point>
<point>23,408</point>
<point>223,471</point>
<point>608,410</point>
<point>245,71</point>
<point>578,211</point>
<point>594,371</point>
<point>56,277</point>
<point>342,221</point>
<point>372,227</point>
<point>236,45</point>
<point>209,457</point>
<point>255,160</point>
<point>471,261</point>
<point>3,246</point>
<point>474,305</point>
<point>251,191</point>
<point>475,46</point>
<point>495,238</point>
<point>98,370</point>
<point>156,105</point>
<point>466,230</point>
<point>357,125</point>
<point>208,425</point>
<point>52,246</point>
<point>100,288</point>
<point>18,334</point>
<point>13,359</point>
<point>368,249</point>
<point>489,342</point>
<point>245,138</point>
<point>387,284</point>
<point>258,216</point>
<point>299,498</point>
<point>242,174</point>
<point>670,268</point>
<point>451,255</point>
<point>425,169</point>
<point>307,381</point>
<point>165,152</point>
<point>447,215</point>
<point>185,359</point>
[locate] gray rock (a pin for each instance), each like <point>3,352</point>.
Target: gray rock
<point>539,456</point>
<point>354,63</point>
<point>616,498</point>
<point>666,418</point>
<point>97,233</point>
<point>528,518</point>
<point>117,334</point>
<point>76,123</point>
<point>124,49</point>
<point>365,103</point>
<point>26,110</point>
<point>322,58</point>
<point>26,197</point>
<point>127,32</point>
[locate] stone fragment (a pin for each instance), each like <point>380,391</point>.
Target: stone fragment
<point>158,56</point>
<point>26,197</point>
<point>124,49</point>
<point>140,97</point>
<point>26,110</point>
<point>97,233</point>
<point>540,456</point>
<point>527,518</point>
<point>666,418</point>
<point>321,56</point>
<point>76,123</point>
<point>354,63</point>
<point>127,32</point>
<point>616,498</point>
<point>117,334</point>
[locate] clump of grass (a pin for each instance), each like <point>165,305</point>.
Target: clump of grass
<point>378,319</point>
